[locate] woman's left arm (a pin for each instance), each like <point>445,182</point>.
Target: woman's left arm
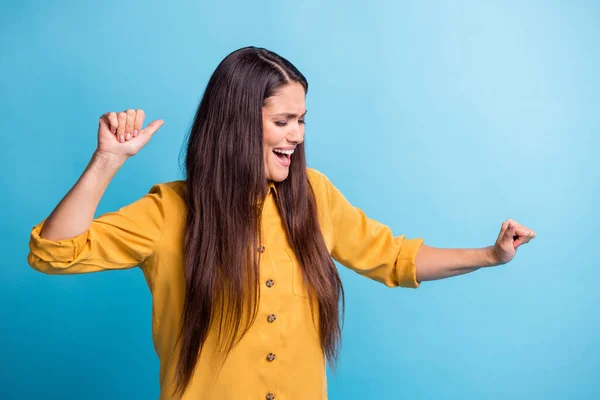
<point>434,263</point>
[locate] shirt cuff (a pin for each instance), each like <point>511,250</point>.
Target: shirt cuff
<point>65,250</point>
<point>406,268</point>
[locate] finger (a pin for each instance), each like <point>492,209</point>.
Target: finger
<point>521,240</point>
<point>129,124</point>
<point>517,243</point>
<point>523,231</point>
<point>504,227</point>
<point>524,236</point>
<point>113,122</point>
<point>511,235</point>
<point>122,120</point>
<point>530,236</point>
<point>518,229</point>
<point>139,122</point>
<point>528,233</point>
<point>153,127</point>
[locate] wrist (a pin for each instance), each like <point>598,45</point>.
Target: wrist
<point>492,257</point>
<point>108,160</point>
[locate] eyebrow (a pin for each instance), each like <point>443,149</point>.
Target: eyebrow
<point>289,115</point>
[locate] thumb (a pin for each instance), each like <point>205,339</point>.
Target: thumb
<point>103,123</point>
<point>510,234</point>
<point>152,127</point>
<point>510,231</point>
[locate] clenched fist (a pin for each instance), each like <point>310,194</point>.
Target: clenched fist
<point>121,134</point>
<point>512,235</point>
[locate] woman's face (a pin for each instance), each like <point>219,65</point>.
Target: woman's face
<point>283,129</point>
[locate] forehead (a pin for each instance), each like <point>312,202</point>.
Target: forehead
<point>289,99</point>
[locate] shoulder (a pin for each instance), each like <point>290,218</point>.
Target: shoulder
<point>316,176</point>
<point>171,194</point>
<point>321,185</point>
<point>319,181</point>
<point>177,187</point>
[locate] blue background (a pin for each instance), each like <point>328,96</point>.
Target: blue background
<point>440,119</point>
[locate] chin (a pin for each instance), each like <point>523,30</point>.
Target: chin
<point>279,176</point>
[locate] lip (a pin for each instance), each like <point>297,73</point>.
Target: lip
<point>285,163</point>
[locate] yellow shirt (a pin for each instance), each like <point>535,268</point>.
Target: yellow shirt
<point>149,233</point>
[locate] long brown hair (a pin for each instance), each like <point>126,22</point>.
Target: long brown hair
<point>226,186</point>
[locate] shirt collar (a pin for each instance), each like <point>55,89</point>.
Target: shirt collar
<point>271,186</point>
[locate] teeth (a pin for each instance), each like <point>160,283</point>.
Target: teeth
<point>290,152</point>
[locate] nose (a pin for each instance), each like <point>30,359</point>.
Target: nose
<point>296,134</point>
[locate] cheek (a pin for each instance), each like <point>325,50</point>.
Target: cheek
<point>272,136</point>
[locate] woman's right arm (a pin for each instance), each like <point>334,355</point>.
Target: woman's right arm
<point>75,212</point>
<point>70,240</point>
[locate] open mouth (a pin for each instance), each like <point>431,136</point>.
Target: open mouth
<point>284,157</point>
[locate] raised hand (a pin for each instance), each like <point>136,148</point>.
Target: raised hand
<point>121,134</point>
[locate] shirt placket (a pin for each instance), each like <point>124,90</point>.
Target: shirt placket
<point>269,308</point>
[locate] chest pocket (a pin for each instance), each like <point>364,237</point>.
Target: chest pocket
<point>298,287</point>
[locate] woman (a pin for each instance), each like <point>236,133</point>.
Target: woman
<point>238,256</point>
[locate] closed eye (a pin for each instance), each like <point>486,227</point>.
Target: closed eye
<point>284,123</point>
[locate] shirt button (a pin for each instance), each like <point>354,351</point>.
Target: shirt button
<point>270,356</point>
<point>270,396</point>
<point>270,283</point>
<point>261,249</point>
<point>271,318</point>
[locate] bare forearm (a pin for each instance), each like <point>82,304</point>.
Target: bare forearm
<point>74,213</point>
<point>436,263</point>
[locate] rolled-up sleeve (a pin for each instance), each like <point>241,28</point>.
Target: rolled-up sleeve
<point>368,247</point>
<point>116,240</point>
